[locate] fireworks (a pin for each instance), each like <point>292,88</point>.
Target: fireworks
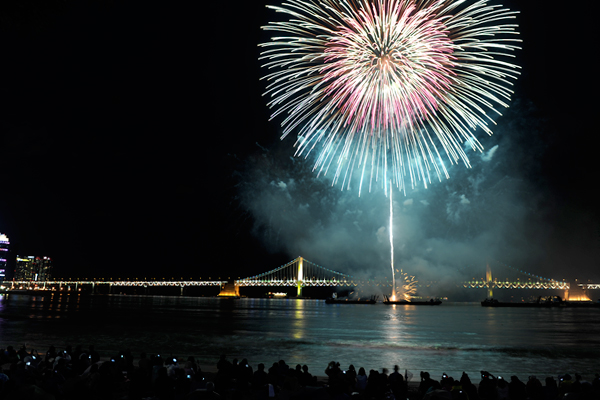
<point>388,88</point>
<point>409,286</point>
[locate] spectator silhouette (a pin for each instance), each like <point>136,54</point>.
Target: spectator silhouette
<point>397,384</point>
<point>427,384</point>
<point>488,389</point>
<point>516,389</point>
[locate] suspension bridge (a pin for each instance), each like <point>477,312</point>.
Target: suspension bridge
<point>300,273</point>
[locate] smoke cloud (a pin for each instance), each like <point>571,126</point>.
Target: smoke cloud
<point>491,213</point>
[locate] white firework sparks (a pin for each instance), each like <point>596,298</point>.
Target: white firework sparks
<point>387,87</point>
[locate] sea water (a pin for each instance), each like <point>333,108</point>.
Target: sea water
<point>450,338</point>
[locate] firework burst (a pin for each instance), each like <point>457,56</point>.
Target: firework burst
<point>388,86</point>
<point>408,288</point>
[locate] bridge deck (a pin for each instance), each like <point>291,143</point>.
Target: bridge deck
<point>303,273</point>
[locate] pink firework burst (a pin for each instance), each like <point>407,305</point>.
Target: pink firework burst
<point>387,78</point>
<point>387,87</point>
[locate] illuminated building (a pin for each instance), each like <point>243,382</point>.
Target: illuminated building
<point>33,268</point>
<point>4,242</point>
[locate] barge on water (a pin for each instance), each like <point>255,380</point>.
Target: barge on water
<point>430,302</point>
<point>358,300</point>
<point>548,302</point>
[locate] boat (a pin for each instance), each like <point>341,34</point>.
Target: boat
<point>583,304</point>
<point>549,302</point>
<point>276,295</point>
<point>336,300</point>
<point>430,302</point>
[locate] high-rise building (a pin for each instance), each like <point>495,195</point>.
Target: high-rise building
<point>33,268</point>
<point>4,242</point>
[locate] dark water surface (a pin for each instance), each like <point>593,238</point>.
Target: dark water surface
<point>451,338</point>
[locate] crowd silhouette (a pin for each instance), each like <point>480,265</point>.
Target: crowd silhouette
<point>81,373</point>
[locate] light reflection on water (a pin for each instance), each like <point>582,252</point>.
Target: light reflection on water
<point>299,326</point>
<point>448,338</point>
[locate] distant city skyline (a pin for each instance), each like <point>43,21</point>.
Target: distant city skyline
<point>4,251</point>
<point>27,267</point>
<point>32,268</point>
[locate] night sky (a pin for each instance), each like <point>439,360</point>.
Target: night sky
<point>134,142</point>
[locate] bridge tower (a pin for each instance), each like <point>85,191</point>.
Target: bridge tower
<point>228,289</point>
<point>488,280</point>
<point>300,277</point>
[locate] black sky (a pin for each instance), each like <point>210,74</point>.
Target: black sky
<point>134,140</point>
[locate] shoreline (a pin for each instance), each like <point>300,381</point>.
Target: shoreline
<point>449,339</point>
<point>208,362</point>
<point>129,376</point>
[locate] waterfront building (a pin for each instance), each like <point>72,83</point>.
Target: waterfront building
<point>4,242</point>
<point>33,268</point>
